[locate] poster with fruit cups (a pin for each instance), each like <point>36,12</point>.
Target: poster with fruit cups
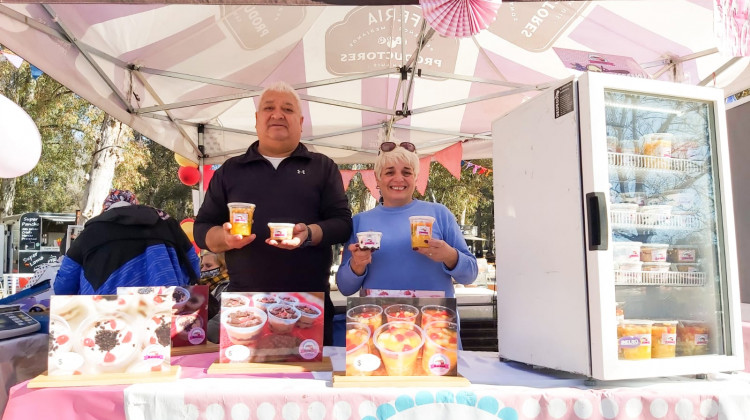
<point>189,310</point>
<point>401,336</point>
<point>100,334</point>
<point>271,327</point>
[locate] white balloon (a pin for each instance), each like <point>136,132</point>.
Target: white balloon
<point>20,142</point>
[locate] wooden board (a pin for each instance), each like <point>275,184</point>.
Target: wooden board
<point>45,381</point>
<point>206,347</point>
<point>340,380</point>
<point>281,367</point>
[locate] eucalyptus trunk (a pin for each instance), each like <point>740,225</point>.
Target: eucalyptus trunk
<point>7,194</point>
<point>106,157</point>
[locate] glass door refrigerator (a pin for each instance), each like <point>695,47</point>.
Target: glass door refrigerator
<point>615,247</point>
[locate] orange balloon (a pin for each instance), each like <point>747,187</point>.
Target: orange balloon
<point>183,161</point>
<point>187,227</point>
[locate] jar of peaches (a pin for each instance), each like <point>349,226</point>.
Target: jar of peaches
<point>663,339</point>
<point>634,339</point>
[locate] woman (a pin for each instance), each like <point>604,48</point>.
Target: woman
<point>396,265</point>
<point>214,274</point>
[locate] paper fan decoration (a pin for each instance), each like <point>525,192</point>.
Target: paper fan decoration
<point>459,18</point>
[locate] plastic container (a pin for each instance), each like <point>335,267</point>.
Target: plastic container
<point>634,339</point>
<point>612,143</point>
<point>620,311</point>
<point>628,272</point>
<point>243,325</point>
<point>369,240</point>
<point>638,198</point>
<point>663,339</point>
<point>241,218</point>
<point>654,252</point>
<point>626,252</point>
<point>281,231</point>
<point>682,254</point>
<point>282,317</point>
<point>656,266</point>
<point>421,230</point>
<point>692,338</point>
<point>624,212</point>
<point>657,144</point>
<point>686,267</point>
<point>358,349</point>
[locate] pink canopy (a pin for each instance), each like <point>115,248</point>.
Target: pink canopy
<point>188,75</point>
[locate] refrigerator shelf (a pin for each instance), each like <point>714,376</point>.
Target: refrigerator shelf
<point>659,278</point>
<point>626,161</point>
<point>637,220</point>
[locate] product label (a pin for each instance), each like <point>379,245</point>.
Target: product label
<point>686,255</point>
<point>668,339</point>
<point>279,233</point>
<point>154,355</point>
<point>439,364</point>
<point>196,336</point>
<point>701,339</point>
<point>424,231</point>
<point>239,218</point>
<point>629,342</point>
<point>309,349</point>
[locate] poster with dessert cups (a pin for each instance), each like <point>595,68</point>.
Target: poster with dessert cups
<point>271,327</point>
<point>189,308</point>
<point>401,336</point>
<point>104,334</point>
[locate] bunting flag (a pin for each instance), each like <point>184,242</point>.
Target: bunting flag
<point>450,157</point>
<point>368,177</point>
<point>424,174</point>
<point>476,169</point>
<point>12,58</point>
<point>346,177</point>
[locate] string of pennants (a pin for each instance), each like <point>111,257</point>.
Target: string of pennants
<point>476,169</point>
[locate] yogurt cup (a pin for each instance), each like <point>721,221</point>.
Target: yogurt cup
<point>440,352</point>
<point>231,300</point>
<point>399,344</point>
<point>421,230</point>
<point>286,298</point>
<point>180,295</point>
<point>281,231</point>
<point>282,317</point>
<point>243,324</point>
<point>263,300</point>
<point>108,343</point>
<point>241,218</point>
<point>626,251</point>
<point>663,339</point>
<point>309,314</point>
<point>369,240</point>
<point>60,335</point>
<point>359,358</point>
<point>634,339</point>
<point>654,252</point>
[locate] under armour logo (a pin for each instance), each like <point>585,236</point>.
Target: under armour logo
<point>300,171</point>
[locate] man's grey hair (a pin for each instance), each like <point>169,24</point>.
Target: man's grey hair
<point>282,87</point>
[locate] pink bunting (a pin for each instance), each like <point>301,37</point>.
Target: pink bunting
<point>368,177</point>
<point>450,157</point>
<point>346,177</point>
<point>424,174</point>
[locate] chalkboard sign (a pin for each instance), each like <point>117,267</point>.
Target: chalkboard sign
<point>27,260</point>
<point>30,231</point>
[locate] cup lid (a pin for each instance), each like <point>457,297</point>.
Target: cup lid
<point>238,204</point>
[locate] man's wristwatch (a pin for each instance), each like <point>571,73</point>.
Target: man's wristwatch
<point>307,242</point>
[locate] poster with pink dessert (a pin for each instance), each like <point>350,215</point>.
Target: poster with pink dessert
<point>189,310</point>
<point>271,327</point>
<point>99,334</point>
<point>401,336</point>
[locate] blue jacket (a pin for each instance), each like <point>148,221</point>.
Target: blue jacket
<point>127,246</point>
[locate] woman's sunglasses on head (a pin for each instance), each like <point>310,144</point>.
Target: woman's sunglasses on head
<point>389,146</point>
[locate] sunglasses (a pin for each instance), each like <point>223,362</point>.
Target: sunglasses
<point>388,146</point>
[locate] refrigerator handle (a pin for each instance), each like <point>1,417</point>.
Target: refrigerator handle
<point>598,223</point>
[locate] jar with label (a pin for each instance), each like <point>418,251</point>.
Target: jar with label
<point>620,311</point>
<point>692,338</point>
<point>634,339</point>
<point>663,339</point>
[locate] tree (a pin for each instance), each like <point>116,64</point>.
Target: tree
<point>56,183</point>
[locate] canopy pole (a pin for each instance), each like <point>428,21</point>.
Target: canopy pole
<point>201,160</point>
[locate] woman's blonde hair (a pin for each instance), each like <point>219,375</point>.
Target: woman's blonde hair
<point>397,155</point>
<point>219,257</point>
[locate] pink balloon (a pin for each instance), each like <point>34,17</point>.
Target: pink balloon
<point>188,175</point>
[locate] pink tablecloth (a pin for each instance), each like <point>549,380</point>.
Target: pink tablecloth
<point>508,391</point>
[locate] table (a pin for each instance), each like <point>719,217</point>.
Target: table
<point>508,391</point>
<point>21,358</point>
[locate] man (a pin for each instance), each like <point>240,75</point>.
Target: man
<point>127,245</point>
<point>289,184</point>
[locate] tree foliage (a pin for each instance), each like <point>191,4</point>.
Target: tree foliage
<point>63,119</point>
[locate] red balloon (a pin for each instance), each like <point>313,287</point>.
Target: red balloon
<point>188,175</point>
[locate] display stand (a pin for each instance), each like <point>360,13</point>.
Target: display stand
<point>59,381</point>
<point>340,380</point>
<point>280,367</point>
<point>206,347</point>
